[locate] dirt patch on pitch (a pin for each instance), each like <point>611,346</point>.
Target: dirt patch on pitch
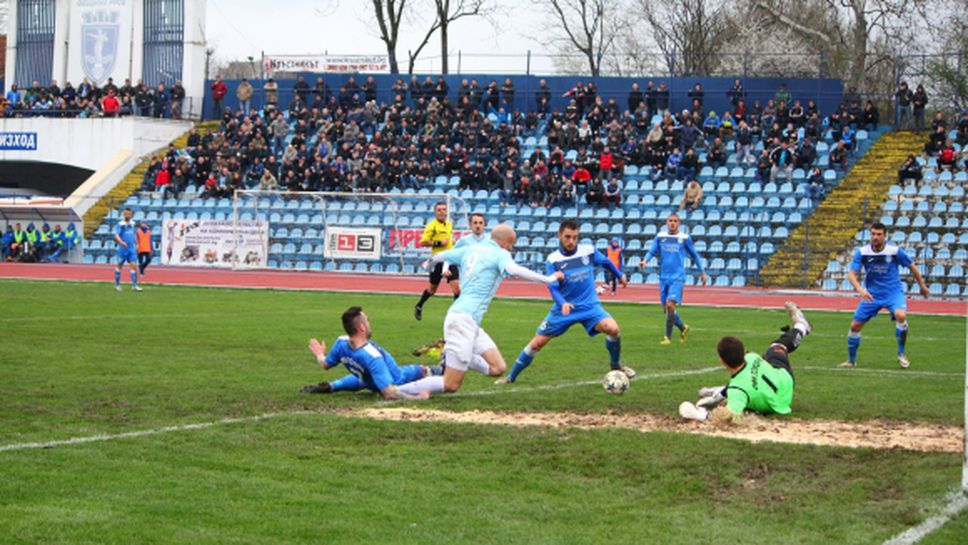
<point>880,434</point>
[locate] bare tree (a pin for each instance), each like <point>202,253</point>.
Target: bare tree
<point>590,26</point>
<point>689,33</point>
<point>449,11</point>
<point>389,16</point>
<point>854,27</point>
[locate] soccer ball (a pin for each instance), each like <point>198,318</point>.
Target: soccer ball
<point>615,382</point>
<point>600,289</point>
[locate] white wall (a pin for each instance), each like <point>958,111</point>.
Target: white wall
<point>89,143</point>
<point>193,61</point>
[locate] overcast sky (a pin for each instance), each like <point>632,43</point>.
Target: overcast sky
<point>237,29</point>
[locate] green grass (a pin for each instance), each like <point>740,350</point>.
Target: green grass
<point>81,359</point>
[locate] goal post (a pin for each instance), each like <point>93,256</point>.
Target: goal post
<point>340,231</point>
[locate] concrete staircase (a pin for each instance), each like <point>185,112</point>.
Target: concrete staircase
<point>854,203</point>
<point>131,183</point>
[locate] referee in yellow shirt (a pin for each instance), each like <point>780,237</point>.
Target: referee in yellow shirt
<point>438,235</point>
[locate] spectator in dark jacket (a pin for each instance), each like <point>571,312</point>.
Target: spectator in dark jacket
<point>910,170</point>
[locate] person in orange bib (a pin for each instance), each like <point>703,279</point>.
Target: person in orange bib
<point>614,254</point>
<point>145,251</point>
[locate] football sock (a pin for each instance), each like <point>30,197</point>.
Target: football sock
<point>524,360</point>
<point>423,298</point>
<point>614,346</point>
<point>117,277</point>
<point>348,383</point>
<point>678,322</point>
<point>670,319</point>
<point>901,332</point>
<point>853,343</point>
<point>134,279</point>
<point>434,385</point>
<point>478,364</point>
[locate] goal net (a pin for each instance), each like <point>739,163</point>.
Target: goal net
<point>358,232</point>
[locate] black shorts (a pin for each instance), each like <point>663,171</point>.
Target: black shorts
<point>438,273</point>
<point>778,358</point>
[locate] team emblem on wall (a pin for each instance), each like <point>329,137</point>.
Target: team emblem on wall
<point>99,50</point>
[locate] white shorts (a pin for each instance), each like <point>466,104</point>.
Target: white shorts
<point>464,339</point>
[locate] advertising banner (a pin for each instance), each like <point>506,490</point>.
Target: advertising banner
<point>352,243</point>
<point>325,63</point>
<point>100,41</point>
<point>207,243</point>
<point>406,242</point>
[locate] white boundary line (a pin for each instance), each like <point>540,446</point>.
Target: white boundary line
<point>144,433</point>
<point>139,316</point>
<point>957,504</point>
<point>888,372</point>
<point>267,416</point>
<point>749,306</point>
<point>481,393</point>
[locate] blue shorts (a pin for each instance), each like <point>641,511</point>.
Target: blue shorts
<point>555,324</point>
<point>868,309</point>
<point>353,383</point>
<point>127,255</point>
<point>670,290</point>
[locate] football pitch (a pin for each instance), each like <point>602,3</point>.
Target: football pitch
<point>173,416</point>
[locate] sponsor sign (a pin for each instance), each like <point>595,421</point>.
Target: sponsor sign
<point>352,243</point>
<point>207,243</point>
<point>325,63</point>
<point>18,141</point>
<point>406,242</point>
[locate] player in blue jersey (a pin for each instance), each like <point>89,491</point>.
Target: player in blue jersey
<point>371,367</point>
<point>477,235</point>
<point>468,346</point>
<point>576,301</point>
<point>881,263</point>
<point>127,251</point>
<point>671,247</point>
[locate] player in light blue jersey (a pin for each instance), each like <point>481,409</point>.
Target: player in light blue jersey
<point>468,346</point>
<point>477,236</point>
<point>671,247</point>
<point>881,263</point>
<point>127,250</point>
<point>576,301</point>
<point>371,367</point>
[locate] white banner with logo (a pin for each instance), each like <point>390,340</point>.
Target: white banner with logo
<point>352,243</point>
<point>100,41</point>
<point>208,243</point>
<point>325,63</point>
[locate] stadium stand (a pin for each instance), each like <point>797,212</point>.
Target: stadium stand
<point>924,214</point>
<point>743,218</point>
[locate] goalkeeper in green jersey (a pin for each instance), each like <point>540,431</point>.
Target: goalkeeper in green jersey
<point>761,384</point>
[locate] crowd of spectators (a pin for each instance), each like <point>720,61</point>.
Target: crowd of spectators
<point>950,154</point>
<point>89,100</point>
<point>32,245</point>
<point>344,140</point>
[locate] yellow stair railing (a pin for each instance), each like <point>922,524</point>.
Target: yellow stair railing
<point>127,186</point>
<point>852,204</point>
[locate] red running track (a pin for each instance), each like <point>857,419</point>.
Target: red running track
<point>375,283</point>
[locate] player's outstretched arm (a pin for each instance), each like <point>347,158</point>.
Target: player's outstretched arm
<point>648,255</point>
<point>695,259</point>
<point>864,294</point>
<point>319,351</point>
<point>527,274</point>
<point>393,393</point>
<point>920,279</point>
